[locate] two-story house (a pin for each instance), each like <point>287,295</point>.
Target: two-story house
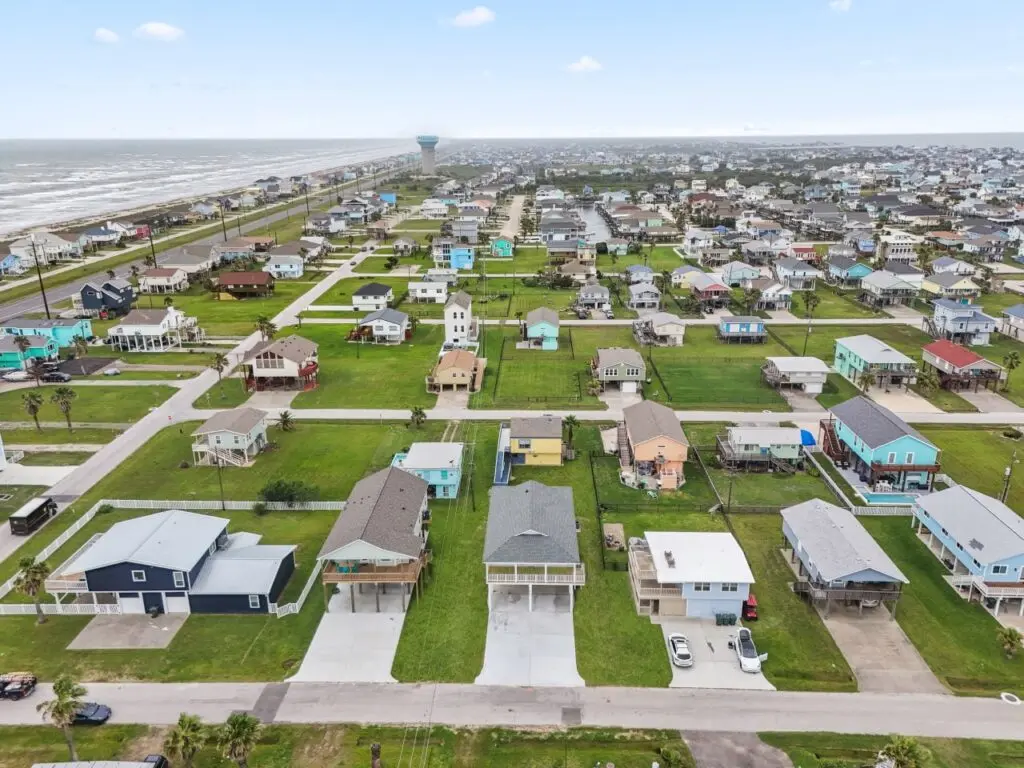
<point>864,360</point>
<point>622,366</point>
<point>846,272</point>
<point>643,296</point>
<point>439,465</point>
<point>62,331</point>
<point>742,329</point>
<point>448,253</point>
<point>502,248</point>
<point>795,274</point>
<point>711,292</point>
<point>652,447</point>
<point>950,285</point>
<point>154,330</point>
<point>760,448</point>
<point>533,441</point>
<point>1012,322</point>
<point>806,373</point>
<point>738,273</point>
<point>884,289</point>
<point>232,437</point>
<point>385,326</point>
<point>960,368</point>
<point>231,250</point>
<point>290,362</point>
<point>661,329</point>
<point>962,323</point>
<point>285,267</point>
<point>457,370</point>
<point>428,292</point>
<point>107,298</point>
<point>540,329</point>
<point>40,349</point>
<point>160,280</point>
<point>593,295</point>
<point>372,296</point>
<point>639,273</point>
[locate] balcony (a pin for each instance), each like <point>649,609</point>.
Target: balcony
<point>369,573</point>
<point>562,575</point>
<point>986,588</point>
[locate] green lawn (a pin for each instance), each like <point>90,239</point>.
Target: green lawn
<point>235,317</point>
<point>957,639</point>
<point>808,750</point>
<point>662,258</point>
<point>821,344</point>
<point>527,260</point>
<point>342,291</point>
<point>833,305</point>
<point>428,225</point>
<point>184,357</point>
<point>838,389</point>
<point>977,458</point>
<point>50,435</point>
<point>19,495</point>
<point>371,375</point>
<point>994,303</point>
<point>54,458</point>
<point>227,393</point>
<point>104,404</point>
<point>801,653</point>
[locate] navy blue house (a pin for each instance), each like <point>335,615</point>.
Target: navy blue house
<point>178,562</point>
<point>113,296</point>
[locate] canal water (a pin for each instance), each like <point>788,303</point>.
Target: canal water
<point>597,228</point>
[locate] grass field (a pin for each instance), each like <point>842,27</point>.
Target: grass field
<point>54,458</point>
<point>227,393</point>
<point>104,404</point>
<point>235,317</point>
<point>978,457</point>
<point>838,389</point>
<point>428,225</point>
<point>51,435</point>
<point>662,258</point>
<point>833,305</point>
<point>812,750</point>
<point>19,495</point>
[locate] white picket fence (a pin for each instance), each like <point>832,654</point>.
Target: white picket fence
<point>53,609</point>
<point>289,608</point>
<point>887,511</point>
<point>234,506</point>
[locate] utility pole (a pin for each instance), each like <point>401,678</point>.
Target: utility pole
<point>152,248</point>
<point>220,482</point>
<point>39,274</point>
<point>223,224</point>
<point>1007,474</point>
<point>307,201</point>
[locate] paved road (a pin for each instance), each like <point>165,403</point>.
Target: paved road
<point>515,213</point>
<point>474,705</point>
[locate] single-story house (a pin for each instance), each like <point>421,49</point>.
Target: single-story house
<point>742,329</point>
<point>385,326</point>
<point>960,368</point>
<point>246,284</point>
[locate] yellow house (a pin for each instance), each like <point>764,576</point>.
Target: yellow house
<point>536,441</point>
<point>948,285</point>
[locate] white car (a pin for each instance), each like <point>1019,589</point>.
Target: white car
<point>746,651</point>
<point>17,376</point>
<point>679,650</point>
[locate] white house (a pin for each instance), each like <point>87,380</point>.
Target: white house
<point>796,275</point>
<point>195,260</point>
<point>806,373</point>
<point>231,437</point>
<point>163,280</point>
<point>458,319</point>
<point>962,323</point>
<point>428,292</point>
<point>739,273</point>
<point>372,296</point>
<point>285,267</point>
<point>949,265</point>
<point>432,208</point>
<point>47,247</point>
<point>385,326</point>
<point>897,245</point>
<point>154,330</point>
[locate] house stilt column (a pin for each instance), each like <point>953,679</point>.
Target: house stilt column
<point>352,595</point>
<point>529,587</point>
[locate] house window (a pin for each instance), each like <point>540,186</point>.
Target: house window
<point>892,458</point>
<point>525,444</point>
<point>632,371</point>
<point>999,570</point>
<point>139,577</point>
<point>701,586</point>
<point>609,371</point>
<point>254,601</point>
<point>179,580</point>
<point>910,458</point>
<point>730,587</point>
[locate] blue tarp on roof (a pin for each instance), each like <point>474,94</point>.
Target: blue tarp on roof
<point>806,438</point>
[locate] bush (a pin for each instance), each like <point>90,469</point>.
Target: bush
<point>1013,433</point>
<point>105,509</point>
<point>288,491</point>
<point>260,509</point>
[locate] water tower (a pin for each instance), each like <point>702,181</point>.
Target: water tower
<point>427,145</point>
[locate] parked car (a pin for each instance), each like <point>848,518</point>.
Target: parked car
<point>609,315</point>
<point>91,713</point>
<point>49,366</point>
<point>746,651</point>
<point>55,377</point>
<point>582,314</point>
<point>17,376</point>
<point>679,650</point>
<point>112,372</point>
<point>17,685</point>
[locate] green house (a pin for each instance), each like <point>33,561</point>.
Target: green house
<point>502,248</point>
<point>40,348</point>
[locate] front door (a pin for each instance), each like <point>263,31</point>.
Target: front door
<point>151,600</point>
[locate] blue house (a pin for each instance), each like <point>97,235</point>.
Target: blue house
<point>982,538</point>
<point>742,329</point>
<point>448,254</point>
<point>540,329</point>
<point>864,243</point>
<point>177,562</point>
<point>63,332</point>
<point>40,348</point>
<point>391,198</point>
<point>847,272</point>
<point>110,297</point>
<point>439,465</point>
<point>502,248</point>
<point>881,449</point>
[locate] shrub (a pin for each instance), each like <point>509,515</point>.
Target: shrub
<point>1013,433</point>
<point>260,509</point>
<point>105,509</point>
<point>288,491</point>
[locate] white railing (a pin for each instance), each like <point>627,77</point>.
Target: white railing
<point>13,457</point>
<point>578,578</point>
<point>986,589</point>
<point>54,609</point>
<point>63,585</point>
<point>289,608</point>
<point>890,511</point>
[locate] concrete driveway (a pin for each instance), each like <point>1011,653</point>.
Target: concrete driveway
<point>902,401</point>
<point>882,658</point>
<point>987,401</point>
<point>355,647</point>
<point>733,750</point>
<point>714,662</point>
<point>122,632</point>
<point>902,312</point>
<point>530,649</point>
<point>19,474</point>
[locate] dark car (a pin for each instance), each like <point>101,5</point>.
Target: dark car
<point>92,713</point>
<point>17,686</point>
<point>55,377</point>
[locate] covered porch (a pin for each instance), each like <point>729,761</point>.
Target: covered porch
<point>824,595</point>
<point>530,575</point>
<point>402,578</point>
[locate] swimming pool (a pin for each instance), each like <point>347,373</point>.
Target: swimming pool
<point>887,499</point>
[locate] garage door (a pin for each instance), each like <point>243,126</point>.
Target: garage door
<point>176,604</point>
<point>131,605</point>
<point>629,386</point>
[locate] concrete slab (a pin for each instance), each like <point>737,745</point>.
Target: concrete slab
<point>18,474</point>
<point>712,749</point>
<point>617,400</point>
<point>882,658</point>
<point>714,662</point>
<point>526,648</point>
<point>801,401</point>
<point>902,401</point>
<point>902,312</point>
<point>451,399</point>
<point>782,314</point>
<point>354,647</point>
<point>270,400</point>
<point>128,632</point>
<point>987,401</point>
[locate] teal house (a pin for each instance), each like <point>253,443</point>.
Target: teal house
<point>502,248</point>
<point>439,465</point>
<point>63,332</point>
<point>40,348</point>
<point>540,329</point>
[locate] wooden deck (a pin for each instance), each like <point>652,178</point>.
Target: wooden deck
<point>407,573</point>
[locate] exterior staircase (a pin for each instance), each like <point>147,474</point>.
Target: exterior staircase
<point>210,453</point>
<point>624,460</point>
<point>831,444</point>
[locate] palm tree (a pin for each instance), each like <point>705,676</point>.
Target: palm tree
<point>1011,362</point>
<point>135,270</point>
<point>62,708</point>
<point>570,423</point>
<point>418,416</point>
<point>265,327</point>
<point>62,397</point>
<point>168,302</point>
<point>29,581</point>
<point>186,739</point>
<point>23,345</point>
<point>928,380</point>
<point>1010,639</point>
<point>81,346</point>
<point>905,752</point>
<point>751,297</point>
<point>865,379</point>
<point>32,402</point>
<point>219,363</point>
<point>811,302</point>
<point>111,274</point>
<point>238,737</point>
<point>286,421</point>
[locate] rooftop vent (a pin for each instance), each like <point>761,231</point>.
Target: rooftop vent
<point>670,559</point>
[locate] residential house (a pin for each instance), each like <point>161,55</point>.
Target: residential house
<point>560,251</point>
<point>593,295</point>
<point>47,248</point>
<point>986,248</point>
<point>617,246</point>
<point>325,224</point>
<point>757,252</point>
<point>231,250</point>
<point>864,358</point>
<point>683,276</point>
<point>742,329</point>
<point>102,236</point>
<point>379,538</point>
<point>1012,322</point>
<point>291,363</point>
<point>154,330</point>
<point>555,226</point>
<point>652,447</point>
<point>403,246</point>
<point>371,296</point>
<point>643,296</point>
<point>960,368</point>
<point>979,540</point>
<point>176,562</point>
<point>449,254</point>
<point>196,262</point>
<point>432,208</point>
<point>897,245</point>
<point>772,295</point>
<point>714,257</point>
<point>231,437</point>
<point>205,209</point>
<point>884,289</point>
<point>244,285</point>
<point>948,265</point>
<point>662,329</point>
<point>161,280</point>
<point>10,264</point>
<point>622,366</point>
<point>385,326</point>
<point>285,267</point>
<point>639,273</point>
<point>761,448</point>
<point>836,559</point>
<point>459,326</point>
<point>578,271</point>
<point>62,331</point>
<point>534,441</point>
<point>950,285</point>
<point>883,451</point>
<point>737,273</point>
<point>465,231</point>
<point>846,272</point>
<point>428,293</point>
<point>540,329</point>
<point>439,465</point>
<point>40,349</point>
<point>457,370</point>
<point>906,272</point>
<point>805,373</point>
<point>693,575</point>
<point>502,248</point>
<point>531,540</point>
<point>796,275</point>
<point>107,298</point>
<point>711,292</point>
<point>961,323</point>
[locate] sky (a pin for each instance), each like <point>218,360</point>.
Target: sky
<point>508,68</point>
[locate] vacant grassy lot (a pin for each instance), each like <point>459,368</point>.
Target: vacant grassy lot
<point>19,494</point>
<point>977,458</point>
<point>660,259</point>
<point>428,225</point>
<point>227,393</point>
<point>54,458</point>
<point>821,344</point>
<point>526,260</point>
<point>833,305</point>
<point>811,750</point>
<point>994,303</point>
<point>49,435</point>
<point>956,639</point>
<point>236,317</point>
<point>838,389</point>
<point>104,404</point>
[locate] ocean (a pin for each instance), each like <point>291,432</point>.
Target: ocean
<point>48,182</point>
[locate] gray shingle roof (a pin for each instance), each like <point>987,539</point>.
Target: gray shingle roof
<point>539,427</point>
<point>461,298</point>
<point>988,529</point>
<point>372,289</point>
<point>387,314</point>
<point>612,356</point>
<point>382,510</point>
<point>531,523</point>
<point>648,420</point>
<point>542,315</point>
<point>872,423</point>
<point>237,420</point>
<point>836,542</point>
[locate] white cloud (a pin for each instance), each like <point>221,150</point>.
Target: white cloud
<point>840,6</point>
<point>474,17</point>
<point>159,30</point>
<point>104,35</point>
<point>585,64</point>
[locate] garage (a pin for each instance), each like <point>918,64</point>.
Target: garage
<point>131,603</point>
<point>177,603</point>
<point>628,387</point>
